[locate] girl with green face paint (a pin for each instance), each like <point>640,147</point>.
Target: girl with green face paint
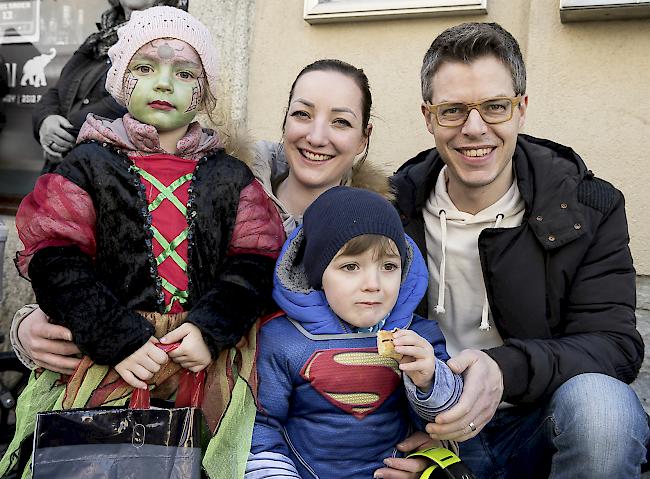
<point>164,85</point>
<point>165,238</point>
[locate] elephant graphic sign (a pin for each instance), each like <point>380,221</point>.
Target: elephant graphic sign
<point>34,69</point>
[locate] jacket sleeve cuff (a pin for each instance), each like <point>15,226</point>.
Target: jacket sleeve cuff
<point>514,370</point>
<point>21,352</point>
<point>67,289</point>
<point>445,392</point>
<point>243,294</point>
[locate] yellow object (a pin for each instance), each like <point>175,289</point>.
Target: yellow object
<point>441,457</point>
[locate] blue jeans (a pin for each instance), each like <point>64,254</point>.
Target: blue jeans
<point>593,426</point>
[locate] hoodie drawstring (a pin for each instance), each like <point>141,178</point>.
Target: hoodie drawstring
<point>440,307</point>
<point>485,324</point>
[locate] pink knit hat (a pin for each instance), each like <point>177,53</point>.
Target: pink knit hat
<point>152,24</point>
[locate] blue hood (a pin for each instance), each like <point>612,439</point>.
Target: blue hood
<point>292,293</point>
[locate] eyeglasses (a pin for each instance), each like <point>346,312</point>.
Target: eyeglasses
<point>493,111</point>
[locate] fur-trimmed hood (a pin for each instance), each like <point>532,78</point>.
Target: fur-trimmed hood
<point>292,292</point>
<point>270,166</point>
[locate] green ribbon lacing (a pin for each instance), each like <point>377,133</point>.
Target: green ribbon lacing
<point>169,248</point>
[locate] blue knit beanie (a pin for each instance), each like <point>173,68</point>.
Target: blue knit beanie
<point>337,216</point>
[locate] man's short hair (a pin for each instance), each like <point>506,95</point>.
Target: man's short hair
<point>467,42</point>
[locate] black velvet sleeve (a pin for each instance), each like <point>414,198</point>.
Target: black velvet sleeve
<point>67,290</point>
<point>242,295</point>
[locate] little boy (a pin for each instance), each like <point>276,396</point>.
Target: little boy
<point>329,405</point>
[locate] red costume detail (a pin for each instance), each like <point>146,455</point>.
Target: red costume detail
<point>167,218</point>
<point>332,374</point>
<point>258,229</point>
<point>56,213</point>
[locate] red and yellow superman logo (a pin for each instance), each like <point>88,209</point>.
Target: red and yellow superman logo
<point>357,381</point>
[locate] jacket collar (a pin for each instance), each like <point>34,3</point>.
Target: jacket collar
<point>292,293</point>
<point>547,174</point>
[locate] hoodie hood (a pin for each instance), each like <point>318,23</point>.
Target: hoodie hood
<point>138,138</point>
<point>309,307</point>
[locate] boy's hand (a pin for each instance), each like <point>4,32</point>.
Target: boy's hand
<point>193,353</point>
<point>142,364</point>
<point>419,361</point>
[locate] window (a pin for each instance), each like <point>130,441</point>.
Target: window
<point>321,11</point>
<point>584,10</point>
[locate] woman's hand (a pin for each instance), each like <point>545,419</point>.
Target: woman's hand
<point>142,364</point>
<point>50,346</point>
<point>193,353</point>
<point>54,137</point>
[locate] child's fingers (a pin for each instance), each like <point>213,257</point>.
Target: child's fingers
<point>141,372</point>
<point>181,358</point>
<point>179,352</point>
<point>131,380</point>
<point>150,365</point>
<point>409,338</point>
<point>154,353</point>
<point>414,366</point>
<point>177,334</point>
<point>414,351</point>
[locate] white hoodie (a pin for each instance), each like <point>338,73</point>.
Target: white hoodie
<point>460,304</point>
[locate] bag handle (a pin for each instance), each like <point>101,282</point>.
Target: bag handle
<point>190,387</point>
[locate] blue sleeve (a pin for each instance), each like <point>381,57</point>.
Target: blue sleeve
<point>447,386</point>
<point>445,392</point>
<point>269,451</point>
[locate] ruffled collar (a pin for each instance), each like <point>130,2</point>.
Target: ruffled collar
<point>138,138</point>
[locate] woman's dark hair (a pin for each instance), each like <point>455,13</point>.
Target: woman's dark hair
<point>356,74</point>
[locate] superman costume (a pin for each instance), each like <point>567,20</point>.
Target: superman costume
<point>329,405</point>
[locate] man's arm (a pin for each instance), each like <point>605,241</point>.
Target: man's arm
<point>599,335</point>
<point>597,330</point>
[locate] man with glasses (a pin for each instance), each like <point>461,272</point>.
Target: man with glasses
<point>531,277</point>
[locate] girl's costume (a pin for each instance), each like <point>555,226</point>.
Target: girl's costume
<point>125,242</point>
<point>329,405</point>
<point>229,455</point>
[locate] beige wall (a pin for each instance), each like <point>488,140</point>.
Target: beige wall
<point>588,85</point>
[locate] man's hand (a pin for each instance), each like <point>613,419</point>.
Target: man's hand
<point>401,468</point>
<point>481,395</point>
<point>53,136</point>
<point>193,353</point>
<point>50,346</point>
<point>142,364</point>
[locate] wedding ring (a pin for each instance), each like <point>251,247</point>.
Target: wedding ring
<point>472,426</point>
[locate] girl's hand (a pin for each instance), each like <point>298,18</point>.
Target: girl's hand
<point>142,364</point>
<point>193,353</point>
<point>419,361</point>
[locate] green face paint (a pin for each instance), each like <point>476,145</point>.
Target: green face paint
<point>164,84</point>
